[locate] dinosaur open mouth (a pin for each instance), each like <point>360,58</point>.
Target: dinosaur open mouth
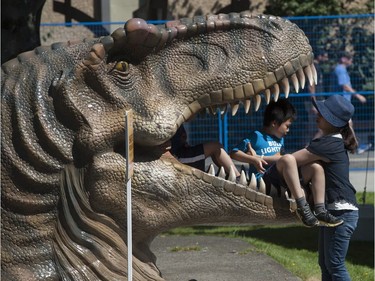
<point>296,72</point>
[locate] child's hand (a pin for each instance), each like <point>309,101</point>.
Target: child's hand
<point>258,163</point>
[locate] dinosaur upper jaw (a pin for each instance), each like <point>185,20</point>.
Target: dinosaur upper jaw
<point>294,75</point>
<point>296,72</point>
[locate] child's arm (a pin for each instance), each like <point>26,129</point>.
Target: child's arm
<point>255,160</point>
<point>303,157</point>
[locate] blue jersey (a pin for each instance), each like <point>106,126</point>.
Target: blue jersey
<point>263,144</point>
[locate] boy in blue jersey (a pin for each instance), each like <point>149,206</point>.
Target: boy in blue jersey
<point>264,147</point>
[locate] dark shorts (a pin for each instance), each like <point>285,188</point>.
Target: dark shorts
<point>272,176</point>
<point>192,156</point>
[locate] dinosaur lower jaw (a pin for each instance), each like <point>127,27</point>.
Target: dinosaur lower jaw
<point>272,84</point>
<point>244,188</point>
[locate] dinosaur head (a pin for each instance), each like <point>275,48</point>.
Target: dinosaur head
<point>167,74</point>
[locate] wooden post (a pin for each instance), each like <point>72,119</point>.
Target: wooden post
<point>129,155</point>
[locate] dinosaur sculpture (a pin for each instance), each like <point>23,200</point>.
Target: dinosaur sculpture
<point>63,197</point>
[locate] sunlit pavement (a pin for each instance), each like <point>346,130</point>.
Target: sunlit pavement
<point>362,171</point>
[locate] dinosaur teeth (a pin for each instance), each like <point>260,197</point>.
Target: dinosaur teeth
<point>294,72</point>
<point>221,173</point>
<point>295,82</point>
<point>247,104</point>
<point>267,95</point>
<point>234,108</point>
<point>315,74</point>
<point>211,170</point>
<point>276,92</point>
<point>262,186</point>
<point>242,188</point>
<point>212,110</point>
<point>257,102</point>
<point>301,78</point>
<point>307,70</point>
<point>253,182</point>
<point>223,110</point>
<point>232,175</point>
<point>285,85</point>
<point>243,179</point>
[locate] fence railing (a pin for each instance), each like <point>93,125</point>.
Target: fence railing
<point>333,34</point>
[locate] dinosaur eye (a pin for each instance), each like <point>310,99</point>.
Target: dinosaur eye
<point>122,66</point>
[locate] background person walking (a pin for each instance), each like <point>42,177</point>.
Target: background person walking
<point>341,83</point>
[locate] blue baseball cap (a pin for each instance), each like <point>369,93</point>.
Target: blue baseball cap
<point>336,109</point>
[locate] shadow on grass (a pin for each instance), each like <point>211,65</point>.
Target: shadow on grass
<point>294,237</point>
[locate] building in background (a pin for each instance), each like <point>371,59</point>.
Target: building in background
<point>118,11</point>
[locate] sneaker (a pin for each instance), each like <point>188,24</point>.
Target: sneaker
<point>306,216</point>
<point>326,219</point>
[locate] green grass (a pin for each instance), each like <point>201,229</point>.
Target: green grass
<point>369,198</point>
<point>294,246</point>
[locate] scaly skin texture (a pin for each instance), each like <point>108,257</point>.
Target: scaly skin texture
<point>63,167</point>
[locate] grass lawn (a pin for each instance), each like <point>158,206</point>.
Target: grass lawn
<point>295,246</point>
<point>369,198</point>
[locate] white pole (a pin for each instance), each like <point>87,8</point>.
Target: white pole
<point>129,214</point>
<point>129,172</point>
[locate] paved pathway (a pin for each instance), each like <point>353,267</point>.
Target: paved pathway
<point>218,259</point>
<point>362,171</point>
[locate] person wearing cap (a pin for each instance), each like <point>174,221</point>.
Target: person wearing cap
<point>331,152</point>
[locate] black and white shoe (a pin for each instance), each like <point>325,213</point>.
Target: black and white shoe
<point>327,219</point>
<point>306,216</point>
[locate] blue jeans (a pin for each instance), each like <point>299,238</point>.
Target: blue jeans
<point>334,244</point>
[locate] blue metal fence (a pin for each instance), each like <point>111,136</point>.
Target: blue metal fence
<point>331,33</point>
